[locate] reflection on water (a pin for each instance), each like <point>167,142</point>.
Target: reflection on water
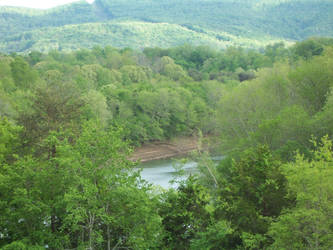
<point>161,172</point>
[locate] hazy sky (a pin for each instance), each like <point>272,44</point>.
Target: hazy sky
<point>40,4</point>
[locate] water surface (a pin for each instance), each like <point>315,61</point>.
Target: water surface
<point>161,172</point>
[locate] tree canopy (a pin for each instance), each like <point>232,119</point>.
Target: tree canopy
<point>69,122</point>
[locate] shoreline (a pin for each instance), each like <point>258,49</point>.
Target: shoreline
<point>163,150</point>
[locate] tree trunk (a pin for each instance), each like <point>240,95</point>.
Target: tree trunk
<point>109,237</point>
<point>53,223</point>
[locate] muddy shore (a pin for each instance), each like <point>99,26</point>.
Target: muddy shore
<point>167,149</point>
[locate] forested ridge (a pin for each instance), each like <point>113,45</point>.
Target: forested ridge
<point>69,122</point>
<point>168,23</point>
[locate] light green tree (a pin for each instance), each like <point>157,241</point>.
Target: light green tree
<point>308,225</point>
<point>107,209</point>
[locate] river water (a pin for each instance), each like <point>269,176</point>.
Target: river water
<point>161,172</point>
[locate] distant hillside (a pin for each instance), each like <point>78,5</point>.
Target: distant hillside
<point>15,20</point>
<point>121,34</point>
<point>291,19</point>
<point>139,23</point>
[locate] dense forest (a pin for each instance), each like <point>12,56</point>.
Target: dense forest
<point>167,23</point>
<point>69,121</point>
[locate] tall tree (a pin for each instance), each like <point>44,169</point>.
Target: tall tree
<point>23,75</point>
<point>251,193</point>
<point>308,225</point>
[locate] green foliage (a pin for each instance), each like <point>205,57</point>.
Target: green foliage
<point>308,225</point>
<point>19,245</point>
<point>23,19</point>
<point>120,34</point>
<point>68,119</point>
<point>216,236</point>
<point>307,49</point>
<point>22,74</point>
<point>251,192</point>
<point>185,213</point>
<point>143,23</point>
<point>171,70</point>
<point>9,140</point>
<point>280,108</point>
<point>133,74</point>
<point>286,133</point>
<point>54,106</point>
<point>78,196</point>
<point>236,17</point>
<point>106,208</point>
<point>33,203</point>
<point>312,81</point>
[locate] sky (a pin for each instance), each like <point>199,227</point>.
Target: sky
<point>39,4</point>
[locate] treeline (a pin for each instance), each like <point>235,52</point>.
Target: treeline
<point>294,19</point>
<point>283,107</point>
<point>156,94</point>
<point>143,23</point>
<point>68,121</point>
<point>14,21</point>
<point>274,188</point>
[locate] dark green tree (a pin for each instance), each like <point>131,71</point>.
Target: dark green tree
<point>252,191</point>
<point>24,76</point>
<point>184,213</point>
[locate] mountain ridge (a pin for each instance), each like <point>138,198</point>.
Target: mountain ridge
<point>261,20</point>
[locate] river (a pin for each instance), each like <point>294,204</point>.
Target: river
<point>161,172</point>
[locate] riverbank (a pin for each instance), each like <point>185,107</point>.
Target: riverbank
<point>166,149</point>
